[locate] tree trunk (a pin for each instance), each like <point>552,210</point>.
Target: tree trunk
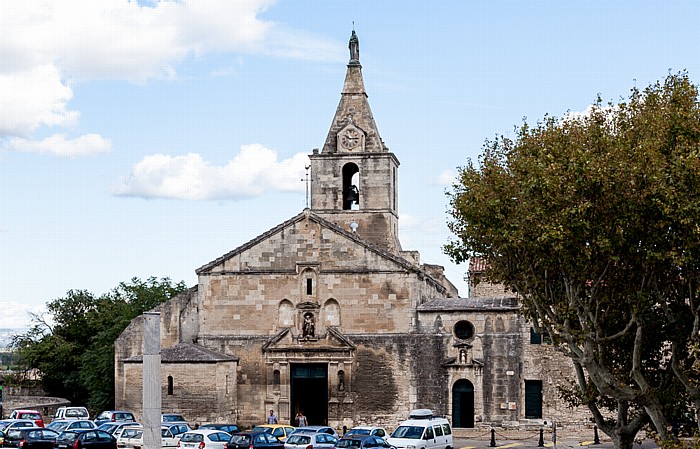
<point>622,439</point>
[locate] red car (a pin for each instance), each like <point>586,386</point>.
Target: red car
<point>28,414</point>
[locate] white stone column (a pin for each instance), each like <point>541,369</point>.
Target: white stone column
<point>152,392</point>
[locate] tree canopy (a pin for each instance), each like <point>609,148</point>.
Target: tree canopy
<point>72,345</point>
<point>594,221</point>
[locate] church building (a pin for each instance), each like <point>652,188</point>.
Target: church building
<point>326,313</point>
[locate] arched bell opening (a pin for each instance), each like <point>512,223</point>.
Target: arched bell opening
<point>351,192</point>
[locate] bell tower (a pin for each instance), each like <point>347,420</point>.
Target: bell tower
<point>354,176</point>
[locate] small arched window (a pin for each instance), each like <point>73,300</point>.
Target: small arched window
<point>170,385</point>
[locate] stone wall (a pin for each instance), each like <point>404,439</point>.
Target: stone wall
<point>202,392</point>
<point>543,362</point>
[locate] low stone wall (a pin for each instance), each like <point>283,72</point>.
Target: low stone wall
<point>46,405</point>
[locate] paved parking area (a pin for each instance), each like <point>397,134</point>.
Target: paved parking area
<point>530,439</point>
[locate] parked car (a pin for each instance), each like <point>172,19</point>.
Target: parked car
<point>114,428</point>
<point>170,433</point>
<point>362,442</point>
<point>71,424</point>
<point>71,413</point>
<point>7,424</point>
<point>279,430</point>
<point>28,414</point>
<point>422,430</point>
<point>130,426</point>
<point>323,429</point>
<point>255,439</point>
<point>130,437</point>
<point>172,417</point>
<point>113,416</point>
<point>85,439</point>
<point>314,440</point>
<point>228,428</point>
<point>204,439</point>
<point>367,430</point>
<point>29,438</point>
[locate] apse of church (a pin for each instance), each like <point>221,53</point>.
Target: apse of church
<point>326,313</point>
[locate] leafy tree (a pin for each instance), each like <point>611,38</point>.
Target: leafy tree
<point>73,345</point>
<point>593,221</point>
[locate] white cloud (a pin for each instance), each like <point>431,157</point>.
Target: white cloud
<point>46,43</point>
<point>58,145</point>
<point>120,39</point>
<point>608,110</point>
<point>34,97</point>
<point>447,178</point>
<point>17,315</point>
<point>254,170</point>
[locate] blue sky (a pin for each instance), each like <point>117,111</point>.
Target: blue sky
<point>148,138</point>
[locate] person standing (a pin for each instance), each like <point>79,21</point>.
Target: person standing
<point>272,418</point>
<point>301,419</point>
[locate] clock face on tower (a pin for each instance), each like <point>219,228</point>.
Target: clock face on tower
<point>350,139</point>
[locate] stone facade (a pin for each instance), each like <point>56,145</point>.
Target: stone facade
<point>326,313</point>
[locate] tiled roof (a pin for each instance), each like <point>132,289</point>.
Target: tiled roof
<point>470,304</point>
<point>477,265</point>
<point>188,353</point>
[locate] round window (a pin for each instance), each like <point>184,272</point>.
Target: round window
<point>464,330</point>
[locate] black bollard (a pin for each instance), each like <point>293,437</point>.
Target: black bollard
<point>596,440</point>
<point>493,437</point>
<point>541,442</point>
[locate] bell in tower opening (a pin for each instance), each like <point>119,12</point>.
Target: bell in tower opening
<point>351,194</point>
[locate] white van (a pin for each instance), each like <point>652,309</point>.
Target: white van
<point>422,430</point>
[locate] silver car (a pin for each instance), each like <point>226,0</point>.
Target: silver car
<point>317,440</point>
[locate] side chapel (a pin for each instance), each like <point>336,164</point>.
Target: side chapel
<point>328,314</point>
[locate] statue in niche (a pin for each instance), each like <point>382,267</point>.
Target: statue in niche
<point>463,356</point>
<point>309,327</point>
<point>341,380</point>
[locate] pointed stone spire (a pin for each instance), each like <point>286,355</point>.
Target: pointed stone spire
<point>353,128</point>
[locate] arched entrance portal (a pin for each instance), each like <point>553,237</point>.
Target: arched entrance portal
<point>463,404</point>
<point>310,392</point>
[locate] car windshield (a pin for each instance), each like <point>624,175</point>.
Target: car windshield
<point>58,426</point>
<point>412,432</point>
<point>124,417</point>
<point>348,443</point>
<point>31,416</point>
<point>131,433</point>
<point>299,439</point>
<point>13,434</point>
<point>76,413</point>
<point>358,432</point>
<point>173,418</point>
<point>67,437</point>
<point>192,438</point>
<point>240,439</point>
